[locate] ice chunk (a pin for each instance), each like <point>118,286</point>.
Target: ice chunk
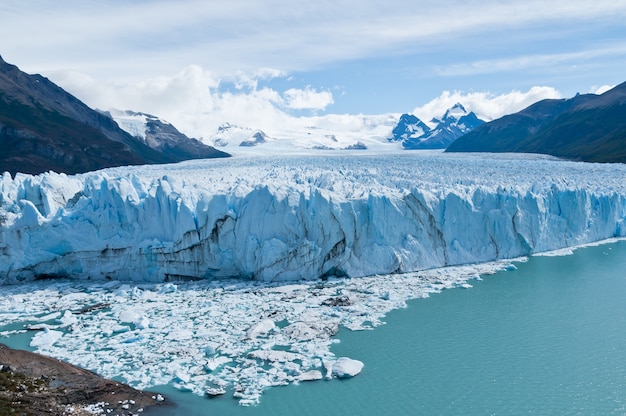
<point>50,316</point>
<point>133,339</point>
<point>215,391</point>
<point>168,288</point>
<point>260,328</point>
<point>135,317</point>
<point>184,387</point>
<point>45,339</point>
<point>182,377</point>
<point>346,367</point>
<point>306,331</point>
<point>275,356</point>
<point>311,375</point>
<point>213,363</point>
<point>68,319</point>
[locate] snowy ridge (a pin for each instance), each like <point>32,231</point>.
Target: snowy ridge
<point>131,122</point>
<point>292,218</point>
<point>311,134</point>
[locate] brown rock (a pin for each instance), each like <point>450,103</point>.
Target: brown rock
<point>33,384</point>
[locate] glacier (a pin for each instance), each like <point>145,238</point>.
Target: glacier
<point>282,251</point>
<point>287,218</point>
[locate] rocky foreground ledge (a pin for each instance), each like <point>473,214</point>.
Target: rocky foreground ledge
<point>33,384</point>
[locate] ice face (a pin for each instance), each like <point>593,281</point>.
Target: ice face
<point>293,218</point>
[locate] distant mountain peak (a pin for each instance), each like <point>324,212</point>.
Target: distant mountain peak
<point>258,137</point>
<point>408,127</point>
<point>414,134</point>
<point>161,135</point>
<point>456,111</point>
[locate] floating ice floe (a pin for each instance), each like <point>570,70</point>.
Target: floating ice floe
<point>208,337</point>
<point>346,367</point>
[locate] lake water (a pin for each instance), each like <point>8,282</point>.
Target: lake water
<point>548,338</point>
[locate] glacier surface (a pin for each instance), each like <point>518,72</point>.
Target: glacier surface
<point>302,217</point>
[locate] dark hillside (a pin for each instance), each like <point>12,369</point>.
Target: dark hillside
<point>587,127</point>
<point>42,128</point>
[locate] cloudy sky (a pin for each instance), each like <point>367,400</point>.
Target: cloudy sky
<point>264,62</point>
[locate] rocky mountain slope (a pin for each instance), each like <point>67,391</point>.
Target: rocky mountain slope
<point>160,135</point>
<point>42,128</point>
<point>586,127</point>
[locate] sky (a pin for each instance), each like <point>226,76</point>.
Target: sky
<point>263,64</point>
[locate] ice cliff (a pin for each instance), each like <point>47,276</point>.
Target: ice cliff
<point>289,218</point>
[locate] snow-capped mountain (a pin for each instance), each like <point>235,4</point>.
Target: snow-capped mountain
<point>415,134</point>
<point>378,133</point>
<point>258,137</point>
<point>160,135</point>
<point>409,127</point>
<point>229,135</point>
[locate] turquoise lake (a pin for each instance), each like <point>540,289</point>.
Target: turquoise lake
<point>546,339</point>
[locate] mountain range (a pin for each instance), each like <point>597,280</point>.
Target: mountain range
<point>413,133</point>
<point>43,127</point>
<point>588,127</point>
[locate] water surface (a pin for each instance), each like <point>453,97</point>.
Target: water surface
<point>547,338</point>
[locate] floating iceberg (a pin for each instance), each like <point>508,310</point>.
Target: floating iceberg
<point>346,367</point>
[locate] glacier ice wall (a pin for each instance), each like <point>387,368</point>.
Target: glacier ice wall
<point>302,217</point>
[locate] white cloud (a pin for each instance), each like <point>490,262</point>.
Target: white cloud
<point>487,106</point>
<point>191,99</point>
<point>130,38</point>
<point>600,89</point>
<point>250,80</point>
<point>528,61</point>
<point>193,102</point>
<point>307,99</point>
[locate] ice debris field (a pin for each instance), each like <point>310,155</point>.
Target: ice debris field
<point>282,247</point>
<point>210,338</point>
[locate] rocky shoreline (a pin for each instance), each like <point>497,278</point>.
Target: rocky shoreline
<point>33,384</point>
